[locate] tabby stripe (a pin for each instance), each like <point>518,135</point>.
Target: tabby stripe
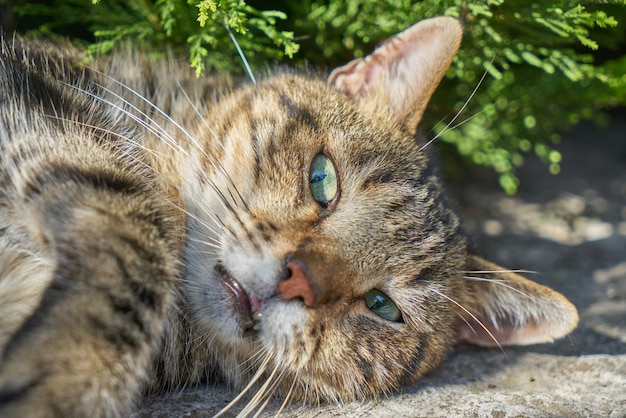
<point>55,294</point>
<point>127,305</point>
<point>299,113</point>
<point>14,392</point>
<point>32,88</point>
<point>416,362</point>
<point>57,174</point>
<point>317,333</point>
<point>273,148</point>
<point>61,287</point>
<point>142,293</point>
<point>254,140</point>
<point>119,335</point>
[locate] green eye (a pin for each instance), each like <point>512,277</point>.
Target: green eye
<point>323,179</point>
<point>383,306</point>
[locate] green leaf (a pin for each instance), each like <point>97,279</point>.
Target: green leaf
<point>542,76</point>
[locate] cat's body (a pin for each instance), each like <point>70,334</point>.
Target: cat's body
<point>293,227</point>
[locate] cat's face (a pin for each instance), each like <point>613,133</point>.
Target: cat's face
<point>320,248</point>
<point>315,185</point>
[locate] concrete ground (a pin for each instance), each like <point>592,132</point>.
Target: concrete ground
<point>571,229</point>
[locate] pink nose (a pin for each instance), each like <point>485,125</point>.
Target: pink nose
<point>297,284</point>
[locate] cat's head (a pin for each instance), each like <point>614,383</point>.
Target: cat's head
<point>320,247</point>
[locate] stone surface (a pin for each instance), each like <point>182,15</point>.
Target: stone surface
<point>571,230</point>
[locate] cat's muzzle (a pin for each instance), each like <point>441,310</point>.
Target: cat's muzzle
<point>247,308</point>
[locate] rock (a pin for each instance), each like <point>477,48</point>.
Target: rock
<point>471,383</point>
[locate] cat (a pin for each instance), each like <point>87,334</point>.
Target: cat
<point>292,235</point>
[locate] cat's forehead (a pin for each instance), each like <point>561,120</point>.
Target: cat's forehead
<point>301,113</point>
<point>389,210</point>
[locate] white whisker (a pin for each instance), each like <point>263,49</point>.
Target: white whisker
<point>241,54</point>
<point>255,378</point>
<point>521,271</point>
<point>463,122</point>
<point>160,132</point>
<point>269,396</point>
<point>253,361</point>
<point>157,130</point>
<point>199,114</point>
<point>288,396</point>
<point>203,120</point>
<point>158,156</point>
<point>265,392</point>
<point>499,282</point>
<point>446,128</point>
<point>483,326</point>
<point>207,243</point>
<point>151,105</point>
<point>169,139</point>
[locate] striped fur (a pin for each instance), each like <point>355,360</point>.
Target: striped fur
<point>149,221</point>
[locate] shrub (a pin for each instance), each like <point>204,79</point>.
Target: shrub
<point>527,70</point>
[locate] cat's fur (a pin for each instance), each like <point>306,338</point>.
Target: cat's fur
<point>142,251</point>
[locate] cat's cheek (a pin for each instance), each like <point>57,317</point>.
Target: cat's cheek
<point>212,310</point>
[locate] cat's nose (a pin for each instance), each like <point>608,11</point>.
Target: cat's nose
<point>297,284</point>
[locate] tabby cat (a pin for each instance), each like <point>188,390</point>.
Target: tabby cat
<point>158,230</point>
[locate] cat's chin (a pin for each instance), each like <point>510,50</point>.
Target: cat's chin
<point>246,308</point>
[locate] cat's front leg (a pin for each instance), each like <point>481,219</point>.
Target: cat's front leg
<point>87,347</point>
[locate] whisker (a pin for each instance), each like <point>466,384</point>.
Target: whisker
<point>463,122</point>
<point>207,243</point>
<point>253,361</point>
<point>483,326</point>
<point>446,128</point>
<point>155,129</point>
<point>241,54</point>
<point>198,113</point>
<point>288,397</point>
<point>169,138</point>
<point>264,392</point>
<point>499,282</point>
<point>150,104</point>
<point>271,392</point>
<point>221,168</point>
<point>157,155</point>
<point>255,378</point>
<point>521,271</point>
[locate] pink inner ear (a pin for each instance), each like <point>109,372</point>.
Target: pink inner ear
<point>486,334</point>
<point>506,332</point>
<point>360,76</point>
<point>403,73</point>
<point>501,307</point>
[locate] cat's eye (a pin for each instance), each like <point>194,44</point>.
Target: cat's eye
<point>323,179</point>
<point>383,306</point>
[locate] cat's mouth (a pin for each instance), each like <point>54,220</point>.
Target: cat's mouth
<point>247,307</point>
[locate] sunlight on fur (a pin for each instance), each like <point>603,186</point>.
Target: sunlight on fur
<point>287,235</point>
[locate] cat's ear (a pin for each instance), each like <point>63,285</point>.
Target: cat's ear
<point>510,308</point>
<point>404,72</point>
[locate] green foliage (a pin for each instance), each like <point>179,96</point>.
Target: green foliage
<point>535,59</point>
<point>198,28</point>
